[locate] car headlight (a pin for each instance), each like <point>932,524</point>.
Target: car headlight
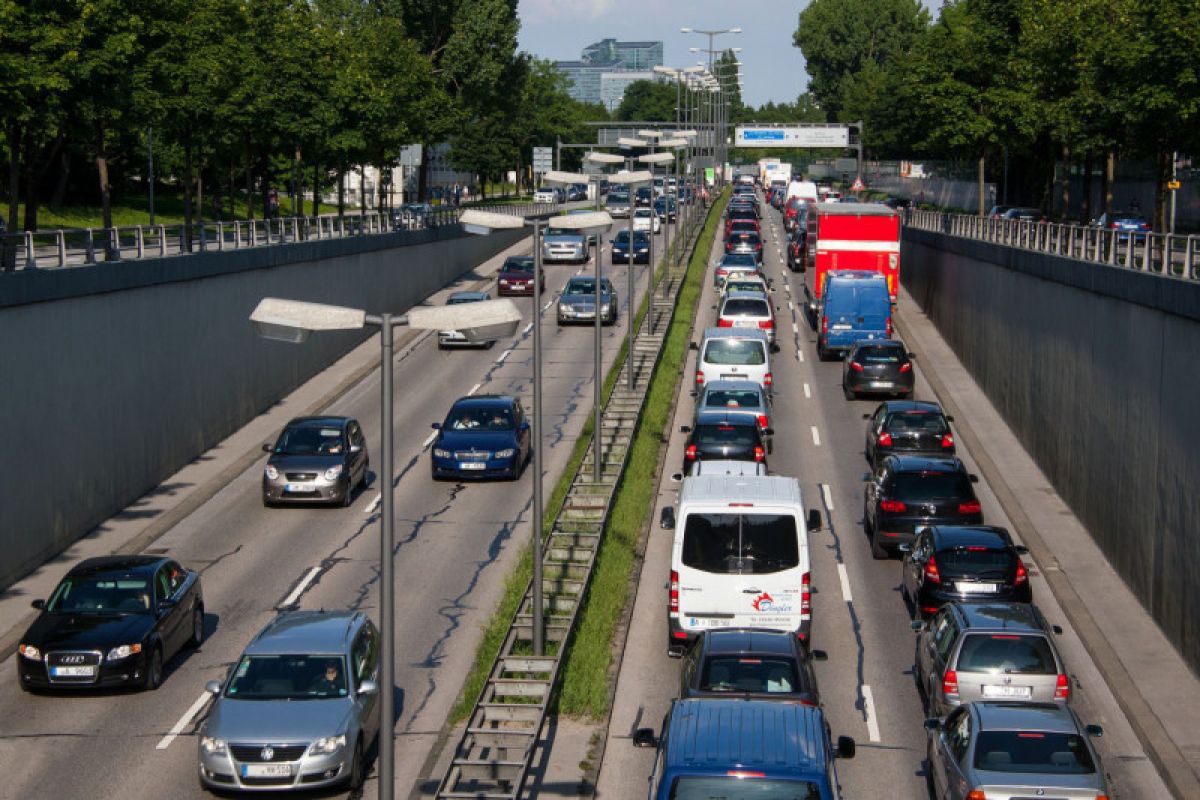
<point>330,744</point>
<point>271,472</point>
<point>440,453</point>
<point>509,453</point>
<point>30,652</point>
<point>604,308</point>
<point>123,651</point>
<point>332,473</point>
<point>212,747</point>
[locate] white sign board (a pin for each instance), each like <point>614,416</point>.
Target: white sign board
<point>543,159</point>
<point>792,136</point>
<point>410,155</point>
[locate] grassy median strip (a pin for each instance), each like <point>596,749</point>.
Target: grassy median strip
<point>585,670</point>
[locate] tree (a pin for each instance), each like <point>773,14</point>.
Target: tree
<point>647,101</point>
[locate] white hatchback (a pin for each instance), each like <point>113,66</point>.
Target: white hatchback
<point>644,219</point>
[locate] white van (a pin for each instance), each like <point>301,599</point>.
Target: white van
<point>740,557</point>
<point>734,354</point>
<point>805,190</point>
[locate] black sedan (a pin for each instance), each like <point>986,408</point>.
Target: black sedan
<point>752,663</point>
<point>877,367</point>
<point>483,436</point>
<point>316,459</point>
<point>909,492</point>
<point>516,277</point>
<point>641,247</point>
<point>953,564</point>
<point>725,436</point>
<point>111,622</point>
<point>908,426</point>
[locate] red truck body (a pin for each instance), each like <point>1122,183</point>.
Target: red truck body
<point>857,236</point>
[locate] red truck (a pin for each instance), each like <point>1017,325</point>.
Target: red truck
<point>851,236</point>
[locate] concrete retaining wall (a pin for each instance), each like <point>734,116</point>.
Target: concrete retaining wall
<point>942,192</point>
<point>1094,367</point>
<point>115,376</point>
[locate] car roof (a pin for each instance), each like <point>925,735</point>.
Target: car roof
<point>484,401</point>
<point>316,422</point>
<point>893,406</point>
<point>716,466</point>
<point>746,294</point>
<point>735,333</point>
<point>729,385</point>
<point>301,632</point>
<point>856,210</point>
<point>472,296</point>
<point>588,279</point>
<point>914,462</point>
<point>725,417</point>
<point>1001,616</point>
<point>117,563</point>
<point>749,640</point>
<point>725,489</point>
<point>1006,715</point>
<point>865,343</point>
<point>718,734</point>
<point>946,536</point>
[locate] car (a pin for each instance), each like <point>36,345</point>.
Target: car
<point>298,709</point>
<point>897,202</point>
<point>736,354</point>
<point>546,194</point>
<point>616,202</point>
<point>516,277</point>
<point>644,219</point>
<point>644,196</point>
<point>745,242</point>
<point>998,749</point>
<point>316,460</point>
<point>997,212</point>
<point>964,564</point>
<point>880,366</point>
<point>641,247</point>
<point>797,243</point>
<point>750,663</point>
<point>724,435</point>
<point>908,426</point>
<point>743,216</point>
<point>452,338</point>
<point>855,306</point>
<point>1126,224</point>
<point>968,652</point>
<point>1024,214</point>
<point>112,622</point>
<point>732,263</point>
<point>577,303</point>
<point>790,211</point>
<point>740,226</point>
<point>559,245</point>
<point>748,310</point>
<point>908,492</point>
<point>482,436</point>
<point>735,397</point>
<point>577,191</point>
<point>411,215</point>
<point>666,209</point>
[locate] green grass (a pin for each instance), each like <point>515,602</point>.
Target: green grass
<point>128,211</point>
<point>589,657</point>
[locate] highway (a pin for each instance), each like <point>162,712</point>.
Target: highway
<point>859,618</point>
<point>455,544</point>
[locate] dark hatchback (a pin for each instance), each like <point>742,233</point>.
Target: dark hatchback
<point>727,436</point>
<point>316,459</point>
<point>483,436</point>
<point>751,663</point>
<point>745,242</point>
<point>908,426</point>
<point>641,247</point>
<point>516,277</point>
<point>910,492</point>
<point>797,243</point>
<point>959,564</point>
<point>644,196</point>
<point>877,367</point>
<point>112,622</point>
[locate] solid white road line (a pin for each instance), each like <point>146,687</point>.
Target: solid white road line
<point>869,707</point>
<point>807,392</point>
<point>549,303</point>
<point>500,360</point>
<point>301,587</point>
<point>816,436</point>
<point>374,504</point>
<point>827,495</point>
<point>183,722</point>
<point>795,328</point>
<point>429,439</point>
<point>800,356</point>
<point>528,328</point>
<point>845,579</point>
<point>474,389</point>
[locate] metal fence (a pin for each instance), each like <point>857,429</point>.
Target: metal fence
<point>1171,255</point>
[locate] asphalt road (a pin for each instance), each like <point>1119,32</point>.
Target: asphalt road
<point>455,543</point>
<point>859,618</point>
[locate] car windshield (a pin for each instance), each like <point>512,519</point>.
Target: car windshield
<point>745,307</point>
<point>753,544</point>
<point>521,264</point>
<point>741,259</point>
<point>288,677</point>
<point>582,286</point>
<point>1033,751</point>
<point>722,435</point>
<point>1006,653</point>
<point>748,674</point>
<point>977,562</point>
<point>615,196</point>
<point>915,487</point>
<point>309,440</point>
<point>733,787</point>
<point>479,418</point>
<point>744,286</point>
<point>732,398</point>
<point>748,352</point>
<point>101,594</point>
<point>916,422</point>
<point>879,354</point>
<point>458,300</point>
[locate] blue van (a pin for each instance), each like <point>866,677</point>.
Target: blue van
<point>854,306</point>
<point>743,749</point>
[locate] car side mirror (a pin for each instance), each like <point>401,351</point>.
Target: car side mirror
<point>693,346</point>
<point>845,747</point>
<point>949,418</point>
<point>916,624</point>
<point>368,686</point>
<point>1021,549</point>
<point>774,347</point>
<point>933,724</point>
<point>814,520</point>
<point>818,655</point>
<point>644,737</point>
<point>356,448</point>
<point>437,426</point>
<point>213,687</point>
<point>694,393</point>
<point>1094,731</point>
<point>768,431</point>
<point>39,604</point>
<point>667,520</point>
<point>1057,629</point>
<point>685,428</point>
<point>912,356</point>
<point>974,478</point>
<point>266,448</point>
<point>866,416</point>
<point>676,476</point>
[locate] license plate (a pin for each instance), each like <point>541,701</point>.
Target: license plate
<point>732,376</point>
<point>266,770</point>
<point>708,622</point>
<point>975,588</point>
<point>471,465</point>
<point>296,487</point>
<point>841,327</point>
<point>72,672</point>
<point>1024,692</point>
<point>881,384</point>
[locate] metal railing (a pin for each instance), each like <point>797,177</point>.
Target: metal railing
<point>1170,255</point>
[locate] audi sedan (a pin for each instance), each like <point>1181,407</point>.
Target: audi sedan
<point>963,564</point>
<point>483,436</point>
<point>316,460</point>
<point>112,622</point>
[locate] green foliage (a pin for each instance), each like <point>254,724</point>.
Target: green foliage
<point>648,101</point>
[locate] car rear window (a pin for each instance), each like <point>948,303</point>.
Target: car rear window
<point>746,352</point>
<point>749,674</point>
<point>739,259</point>
<point>875,354</point>
<point>735,544</point>
<point>745,307</point>
<point>744,286</point>
<point>1033,751</point>
<point>915,487</point>
<point>977,562</point>
<point>743,237</point>
<point>916,421</point>
<point>726,435</point>
<point>1006,653</point>
<point>732,398</point>
<point>738,787</point>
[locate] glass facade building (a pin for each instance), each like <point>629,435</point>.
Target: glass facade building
<point>606,67</point>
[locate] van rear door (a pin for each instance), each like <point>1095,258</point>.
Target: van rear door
<point>874,311</point>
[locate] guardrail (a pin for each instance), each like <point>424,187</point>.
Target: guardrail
<point>71,247</point>
<point>1170,255</point>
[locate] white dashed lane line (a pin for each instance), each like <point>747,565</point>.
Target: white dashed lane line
<point>826,495</point>
<point>503,356</point>
<point>807,392</point>
<point>869,708</point>
<point>474,389</point>
<point>795,328</point>
<point>301,587</point>
<point>845,579</point>
<point>816,436</point>
<point>183,722</point>
<point>374,504</point>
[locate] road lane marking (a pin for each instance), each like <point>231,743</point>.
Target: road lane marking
<point>807,392</point>
<point>795,328</point>
<point>845,579</point>
<point>799,355</point>
<point>528,328</point>
<point>549,303</point>
<point>869,707</point>
<point>825,493</point>
<point>429,440</point>
<point>791,308</point>
<point>500,360</point>
<point>374,504</point>
<point>787,287</point>
<point>816,436</point>
<point>474,389</point>
<point>183,722</point>
<point>301,587</point>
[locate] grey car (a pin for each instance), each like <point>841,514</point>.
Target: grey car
<point>742,397</point>
<point>1013,751</point>
<point>578,301</point>
<point>316,460</point>
<point>298,709</point>
<point>988,651</point>
<point>452,338</point>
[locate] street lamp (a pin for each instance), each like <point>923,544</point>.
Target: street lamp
<point>710,35</point>
<point>631,179</point>
<point>292,321</point>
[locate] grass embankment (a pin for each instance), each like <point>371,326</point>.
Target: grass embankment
<point>518,580</point>
<point>168,210</point>
<point>585,671</point>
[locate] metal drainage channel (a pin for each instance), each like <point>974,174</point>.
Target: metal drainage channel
<point>493,755</point>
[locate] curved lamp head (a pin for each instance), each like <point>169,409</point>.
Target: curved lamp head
<point>627,178</point>
<point>568,178</point>
<point>478,322</point>
<point>626,141</point>
<point>293,320</point>
<point>672,142</point>
<point>588,223</point>
<point>649,134</point>
<point>476,221</point>
<point>657,158</point>
<point>604,158</point>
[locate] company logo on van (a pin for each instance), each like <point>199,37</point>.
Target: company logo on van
<point>765,604</point>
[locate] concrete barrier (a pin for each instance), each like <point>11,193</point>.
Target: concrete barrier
<point>118,374</point>
<point>1094,368</point>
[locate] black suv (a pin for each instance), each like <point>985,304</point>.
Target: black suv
<point>963,564</point>
<point>907,493</point>
<point>877,367</point>
<point>750,662</point>
<point>908,426</point>
<point>726,436</point>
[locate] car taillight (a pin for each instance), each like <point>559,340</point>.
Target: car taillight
<point>1022,573</point>
<point>763,422</point>
<point>824,325</point>
<point>950,683</point>
<point>699,378</point>
<point>690,453</point>
<point>947,441</point>
<point>892,506</point>
<point>1115,225</point>
<point>977,794</point>
<point>970,507</point>
<point>906,366</point>
<point>768,379</point>
<point>931,571</point>
<point>1062,689</point>
<point>766,324</point>
<point>857,367</point>
<point>674,594</point>
<point>759,453</point>
<point>724,323</point>
<point>805,597</point>
<point>888,327</point>
<point>885,440</point>
<point>758,246</point>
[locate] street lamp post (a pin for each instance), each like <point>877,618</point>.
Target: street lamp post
<point>632,179</point>
<point>292,321</point>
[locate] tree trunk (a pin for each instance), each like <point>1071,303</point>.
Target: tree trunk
<point>8,249</point>
<point>60,182</point>
<point>249,186</point>
<point>316,187</point>
<point>423,173</point>
<point>188,190</point>
<point>362,188</point>
<point>31,184</point>
<point>1110,170</point>
<point>1162,161</point>
<point>341,189</point>
<point>1085,200</point>
<point>105,187</point>
<point>982,186</point>
<point>1065,192</point>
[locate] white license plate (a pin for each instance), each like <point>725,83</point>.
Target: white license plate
<point>1024,692</point>
<point>471,465</point>
<point>297,487</point>
<point>975,588</point>
<point>841,327</point>
<point>266,770</point>
<point>708,622</point>
<point>72,672</point>
<point>881,384</point>
<point>732,376</point>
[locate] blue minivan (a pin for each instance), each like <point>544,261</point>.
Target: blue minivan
<point>743,749</point>
<point>854,306</point>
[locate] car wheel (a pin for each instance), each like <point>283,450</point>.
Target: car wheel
<point>154,667</point>
<point>362,482</point>
<point>822,353</point>
<point>357,772</point>
<point>849,393</point>
<point>267,503</point>
<point>441,346</point>
<point>197,637</point>
<point>878,551</point>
